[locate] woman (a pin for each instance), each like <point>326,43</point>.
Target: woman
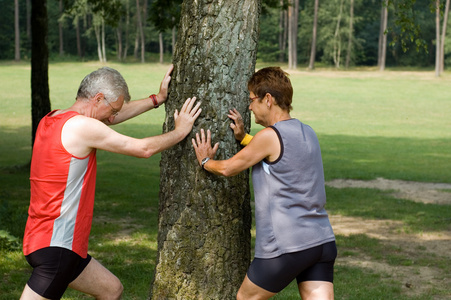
<point>294,238</point>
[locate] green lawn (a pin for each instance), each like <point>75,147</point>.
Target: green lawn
<point>370,124</point>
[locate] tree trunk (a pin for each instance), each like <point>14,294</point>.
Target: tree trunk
<point>442,42</point>
<point>351,35</point>
<point>77,33</point>
<point>382,53</point>
<point>60,29</point>
<point>119,42</point>
<point>16,31</point>
<point>311,65</point>
<point>205,220</point>
<point>40,100</point>
<point>160,41</point>
<point>28,19</point>
<point>437,38</point>
<point>293,17</point>
<point>98,39</point>
<point>127,27</point>
<point>141,30</point>
<point>282,32</point>
<point>103,41</point>
<point>337,38</point>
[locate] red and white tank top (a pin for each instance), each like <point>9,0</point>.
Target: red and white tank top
<point>62,192</point>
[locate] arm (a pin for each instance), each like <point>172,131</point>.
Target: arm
<point>238,127</point>
<point>82,134</point>
<point>265,144</point>
<point>134,108</point>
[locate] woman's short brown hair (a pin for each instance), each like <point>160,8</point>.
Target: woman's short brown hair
<point>275,81</point>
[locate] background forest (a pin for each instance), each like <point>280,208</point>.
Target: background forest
<point>348,32</point>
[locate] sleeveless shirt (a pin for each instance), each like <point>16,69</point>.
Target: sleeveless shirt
<point>290,194</point>
<point>62,189</point>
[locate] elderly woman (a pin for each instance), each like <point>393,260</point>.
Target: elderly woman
<point>294,238</point>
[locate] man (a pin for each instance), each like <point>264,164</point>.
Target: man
<point>63,174</point>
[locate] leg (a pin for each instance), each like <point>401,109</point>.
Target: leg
<point>251,291</point>
<point>97,281</point>
<point>29,294</point>
<point>316,290</point>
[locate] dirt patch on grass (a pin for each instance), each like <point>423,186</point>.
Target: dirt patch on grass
<point>417,278</point>
<point>425,192</point>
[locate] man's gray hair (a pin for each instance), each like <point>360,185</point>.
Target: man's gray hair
<point>105,80</point>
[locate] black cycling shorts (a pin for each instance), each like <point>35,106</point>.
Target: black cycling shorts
<point>54,268</point>
<point>314,264</point>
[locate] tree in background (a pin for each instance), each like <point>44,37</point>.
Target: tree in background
<point>205,220</point>
<point>443,37</point>
<point>382,50</point>
<point>16,31</point>
<point>311,65</point>
<point>293,24</point>
<point>350,34</point>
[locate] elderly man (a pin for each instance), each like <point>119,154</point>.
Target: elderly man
<point>63,175</point>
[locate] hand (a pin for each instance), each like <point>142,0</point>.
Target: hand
<point>237,125</point>
<point>163,93</point>
<point>188,114</point>
<point>203,146</point>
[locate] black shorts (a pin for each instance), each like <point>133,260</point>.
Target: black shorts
<point>53,269</point>
<point>314,264</point>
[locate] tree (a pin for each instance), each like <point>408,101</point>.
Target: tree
<point>337,38</point>
<point>311,65</point>
<point>442,41</point>
<point>60,28</point>
<point>16,31</point>
<point>382,51</point>
<point>283,30</point>
<point>205,220</point>
<point>437,38</point>
<point>351,33</point>
<point>293,20</point>
<point>40,99</point>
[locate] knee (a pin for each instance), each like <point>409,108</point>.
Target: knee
<point>114,291</point>
<point>118,289</point>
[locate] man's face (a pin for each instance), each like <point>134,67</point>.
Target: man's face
<point>109,110</point>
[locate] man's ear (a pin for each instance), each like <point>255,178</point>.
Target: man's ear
<point>99,97</point>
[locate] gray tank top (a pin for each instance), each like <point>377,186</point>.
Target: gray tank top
<point>290,195</point>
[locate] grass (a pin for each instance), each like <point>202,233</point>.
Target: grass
<point>370,124</point>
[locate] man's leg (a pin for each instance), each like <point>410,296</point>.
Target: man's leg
<point>97,281</point>
<point>316,290</point>
<point>29,294</point>
<point>251,291</point>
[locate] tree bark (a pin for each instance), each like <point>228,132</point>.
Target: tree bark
<point>16,31</point>
<point>311,65</point>
<point>40,100</point>
<point>205,220</point>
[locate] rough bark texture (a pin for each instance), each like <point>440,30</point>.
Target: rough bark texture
<point>205,220</point>
<point>40,99</point>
